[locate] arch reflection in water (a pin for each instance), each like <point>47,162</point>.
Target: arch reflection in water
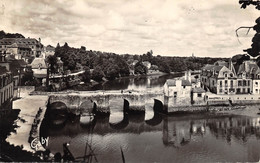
<point>166,131</point>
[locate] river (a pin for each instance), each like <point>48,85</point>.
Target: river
<point>152,137</point>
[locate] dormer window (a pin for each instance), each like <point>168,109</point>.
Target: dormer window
<point>244,74</point>
<point>231,75</point>
<point>225,75</point>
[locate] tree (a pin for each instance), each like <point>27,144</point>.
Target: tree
<point>86,75</point>
<point>254,51</point>
<point>140,68</point>
<point>245,3</point>
<point>27,78</point>
<point>98,74</point>
<point>52,61</point>
<point>112,71</point>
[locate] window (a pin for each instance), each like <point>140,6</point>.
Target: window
<point>244,90</point>
<point>231,75</point>
<point>226,83</point>
<point>199,95</point>
<point>239,83</point>
<point>231,83</point>
<point>220,90</point>
<point>244,82</point>
<point>248,90</point>
<point>225,75</point>
<point>248,82</point>
<point>213,82</point>
<point>220,83</point>
<point>238,90</point>
<point>256,83</point>
<point>184,86</point>
<point>256,90</point>
<point>175,94</point>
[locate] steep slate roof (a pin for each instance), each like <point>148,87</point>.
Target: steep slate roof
<point>186,83</point>
<point>17,45</point>
<point>208,67</point>
<point>257,71</point>
<point>24,41</point>
<point>172,82</point>
<point>218,68</point>
<point>7,41</point>
<point>248,69</point>
<point>198,90</point>
<point>38,61</point>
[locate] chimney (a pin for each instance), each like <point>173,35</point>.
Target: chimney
<point>188,75</point>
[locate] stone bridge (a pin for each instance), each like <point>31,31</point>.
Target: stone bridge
<point>99,102</point>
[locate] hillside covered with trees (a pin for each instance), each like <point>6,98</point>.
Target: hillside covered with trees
<point>111,65</point>
<point>10,35</point>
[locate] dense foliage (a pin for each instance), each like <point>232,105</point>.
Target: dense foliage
<point>10,35</point>
<point>245,3</point>
<point>140,68</point>
<point>52,61</point>
<point>111,65</point>
<point>254,51</point>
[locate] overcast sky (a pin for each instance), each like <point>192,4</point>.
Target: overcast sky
<point>168,27</point>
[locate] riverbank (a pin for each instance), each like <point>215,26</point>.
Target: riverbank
<point>29,106</point>
<point>9,152</point>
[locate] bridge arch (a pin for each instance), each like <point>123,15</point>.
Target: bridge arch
<point>158,105</point>
<point>126,105</point>
<point>94,107</point>
<point>58,105</point>
<point>156,120</point>
<point>58,113</point>
<point>120,125</point>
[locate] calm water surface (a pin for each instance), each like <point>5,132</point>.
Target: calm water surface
<point>210,137</point>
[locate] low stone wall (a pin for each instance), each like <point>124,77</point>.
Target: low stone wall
<point>245,102</point>
<point>204,108</point>
<point>187,109</point>
<point>218,103</point>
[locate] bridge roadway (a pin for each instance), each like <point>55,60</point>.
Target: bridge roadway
<point>99,101</point>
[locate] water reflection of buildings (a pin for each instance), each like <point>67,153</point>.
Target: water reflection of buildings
<point>177,131</point>
<point>240,128</point>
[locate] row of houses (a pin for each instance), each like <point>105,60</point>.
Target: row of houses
<point>220,78</point>
<point>25,48</point>
<point>6,86</point>
<point>223,78</point>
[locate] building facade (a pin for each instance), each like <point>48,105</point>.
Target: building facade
<point>222,78</point>
<point>21,47</point>
<point>6,86</point>
<point>178,92</point>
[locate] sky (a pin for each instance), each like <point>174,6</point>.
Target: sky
<point>168,27</point>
